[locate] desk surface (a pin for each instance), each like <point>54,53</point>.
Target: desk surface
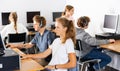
<point>28,64</point>
<point>31,33</point>
<point>112,46</point>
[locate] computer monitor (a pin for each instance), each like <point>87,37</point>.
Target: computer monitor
<point>110,23</point>
<point>56,15</point>
<point>2,45</point>
<point>30,15</point>
<point>5,18</point>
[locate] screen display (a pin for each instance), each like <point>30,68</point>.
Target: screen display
<point>56,15</point>
<point>1,44</point>
<point>110,21</point>
<point>30,16</point>
<point>5,18</point>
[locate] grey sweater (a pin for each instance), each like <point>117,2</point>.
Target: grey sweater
<point>88,42</point>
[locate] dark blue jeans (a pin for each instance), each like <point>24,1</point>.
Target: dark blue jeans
<point>97,54</point>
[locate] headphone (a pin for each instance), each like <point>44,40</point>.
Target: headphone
<point>41,22</point>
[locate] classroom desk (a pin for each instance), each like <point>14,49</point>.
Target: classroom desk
<point>112,46</point>
<point>114,53</point>
<point>28,64</point>
<point>31,33</point>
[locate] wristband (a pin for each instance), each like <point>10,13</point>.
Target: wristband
<point>23,45</point>
<point>55,66</point>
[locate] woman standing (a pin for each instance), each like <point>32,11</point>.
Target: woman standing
<point>68,13</point>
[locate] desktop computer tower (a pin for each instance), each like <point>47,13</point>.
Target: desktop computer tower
<point>9,61</point>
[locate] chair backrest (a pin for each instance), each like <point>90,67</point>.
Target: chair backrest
<point>80,53</point>
<point>78,44</point>
<point>78,50</point>
<point>17,38</point>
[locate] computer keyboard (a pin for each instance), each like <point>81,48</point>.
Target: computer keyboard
<point>108,36</point>
<point>30,28</point>
<point>112,34</point>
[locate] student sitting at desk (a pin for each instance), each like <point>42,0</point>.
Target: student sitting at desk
<point>62,48</point>
<point>43,37</point>
<point>13,27</point>
<point>89,51</point>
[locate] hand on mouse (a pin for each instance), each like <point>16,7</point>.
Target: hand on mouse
<point>111,40</point>
<point>26,56</point>
<point>10,45</point>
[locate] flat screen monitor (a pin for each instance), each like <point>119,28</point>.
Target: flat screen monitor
<point>2,45</point>
<point>30,16</point>
<point>56,15</point>
<point>110,23</point>
<point>5,18</point>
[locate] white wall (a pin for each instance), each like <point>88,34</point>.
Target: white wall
<point>95,9</point>
<point>46,7</point>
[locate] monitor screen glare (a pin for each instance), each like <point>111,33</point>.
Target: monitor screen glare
<point>110,23</point>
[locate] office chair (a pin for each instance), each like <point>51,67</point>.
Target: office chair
<point>83,65</point>
<point>17,38</point>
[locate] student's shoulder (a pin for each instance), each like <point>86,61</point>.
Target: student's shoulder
<point>57,39</point>
<point>7,26</point>
<point>69,40</point>
<point>20,24</point>
<point>37,34</point>
<point>49,32</point>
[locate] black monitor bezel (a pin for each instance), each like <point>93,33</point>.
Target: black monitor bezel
<point>30,15</point>
<point>5,18</point>
<point>54,17</point>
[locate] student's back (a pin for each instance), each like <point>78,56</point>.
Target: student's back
<point>13,27</point>
<point>88,40</point>
<point>91,52</point>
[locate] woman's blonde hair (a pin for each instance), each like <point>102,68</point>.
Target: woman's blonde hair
<point>13,15</point>
<point>70,32</point>
<point>67,8</point>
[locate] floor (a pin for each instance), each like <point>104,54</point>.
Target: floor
<point>110,69</point>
